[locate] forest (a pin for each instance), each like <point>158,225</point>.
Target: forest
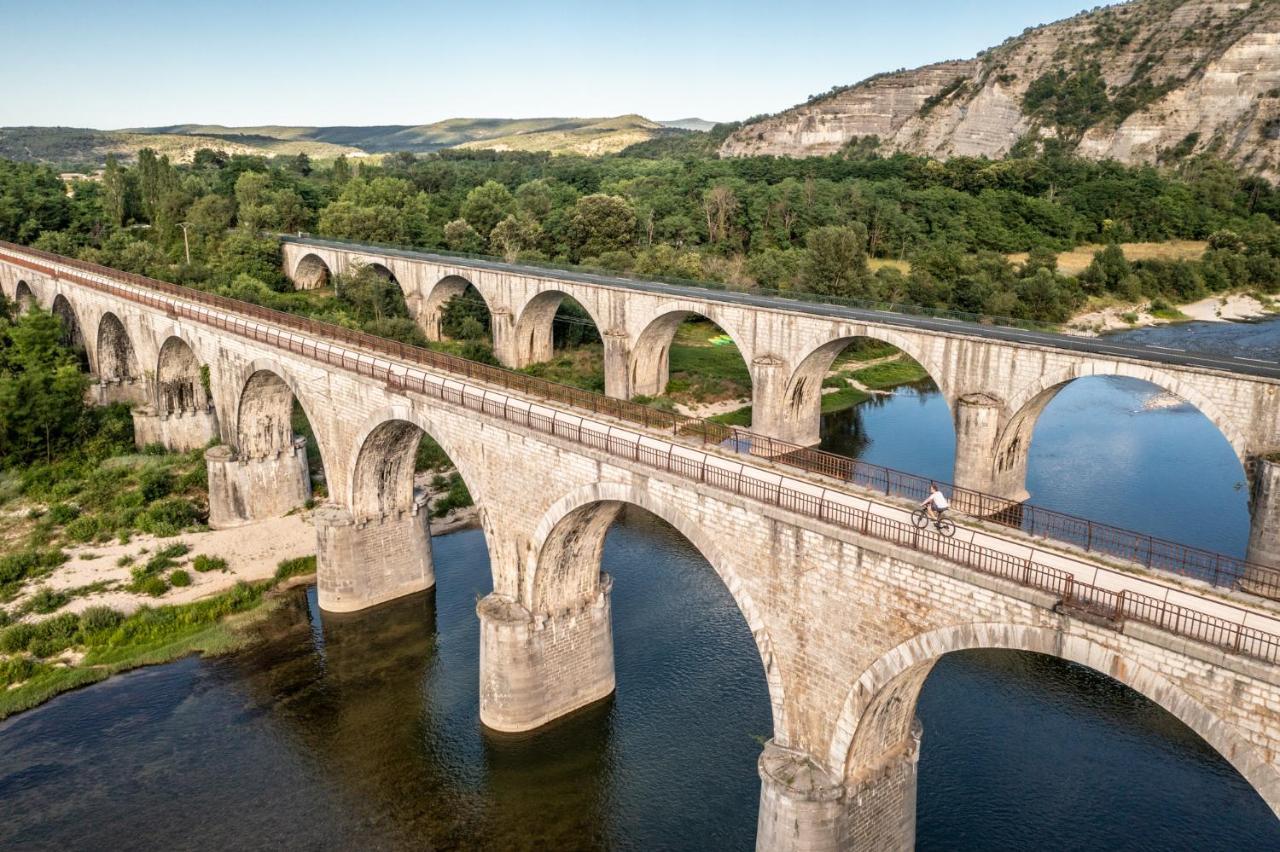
<point>900,229</point>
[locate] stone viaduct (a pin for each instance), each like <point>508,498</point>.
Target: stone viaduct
<point>849,607</point>
<point>995,381</point>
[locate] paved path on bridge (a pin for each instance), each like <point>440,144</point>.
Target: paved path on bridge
<point>1237,622</point>
<point>1104,346</point>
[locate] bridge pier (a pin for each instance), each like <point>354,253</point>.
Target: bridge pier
<point>771,413</point>
<point>804,809</point>
<point>617,364</point>
<point>242,490</point>
<point>179,431</point>
<point>1264,529</point>
<point>360,564</point>
<point>979,465</point>
<point>801,805</point>
<point>535,668</point>
<point>108,391</point>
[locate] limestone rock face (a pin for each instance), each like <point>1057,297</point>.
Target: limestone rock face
<point>1180,77</point>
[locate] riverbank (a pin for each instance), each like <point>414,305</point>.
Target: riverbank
<point>92,616</point>
<point>1101,317</point>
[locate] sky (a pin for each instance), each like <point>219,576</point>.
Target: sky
<point>139,63</point>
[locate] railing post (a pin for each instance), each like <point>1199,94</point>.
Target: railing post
<point>1119,614</point>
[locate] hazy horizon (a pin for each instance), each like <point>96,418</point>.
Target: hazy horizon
<point>73,63</point>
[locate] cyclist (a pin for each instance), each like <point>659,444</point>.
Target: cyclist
<point>935,504</point>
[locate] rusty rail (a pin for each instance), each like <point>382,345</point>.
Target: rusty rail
<point>1116,607</point>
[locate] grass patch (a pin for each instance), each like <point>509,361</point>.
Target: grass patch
<point>842,399</point>
<point>299,567</point>
<point>113,643</point>
<point>890,374</point>
<point>740,417</point>
<point>703,371</point>
<point>204,564</point>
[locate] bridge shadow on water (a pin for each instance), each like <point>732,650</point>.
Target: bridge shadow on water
<point>362,731</point>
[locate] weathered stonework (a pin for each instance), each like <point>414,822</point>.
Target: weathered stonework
<point>536,668</point>
<point>362,564</point>
<point>179,431</point>
<point>244,490</point>
<point>847,626</point>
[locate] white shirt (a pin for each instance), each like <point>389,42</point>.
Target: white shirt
<point>939,502</point>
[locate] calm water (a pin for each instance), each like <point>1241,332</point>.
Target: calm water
<point>363,731</point>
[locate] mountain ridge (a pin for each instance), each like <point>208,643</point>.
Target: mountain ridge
<point>1144,81</point>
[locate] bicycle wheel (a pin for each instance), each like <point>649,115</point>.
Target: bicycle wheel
<point>920,518</point>
<point>946,527</point>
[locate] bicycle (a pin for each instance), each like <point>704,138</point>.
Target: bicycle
<point>921,518</point>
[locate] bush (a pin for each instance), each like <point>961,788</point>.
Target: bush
<point>155,483</point>
<point>84,528</point>
<point>19,566</point>
<point>168,517</point>
<point>46,600</point>
<point>16,670</point>
<point>296,567</point>
<point>153,586</point>
<point>62,513</point>
<point>178,579</point>
<point>16,638</point>
<point>99,619</point>
<point>204,563</point>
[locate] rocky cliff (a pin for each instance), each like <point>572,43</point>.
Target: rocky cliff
<point>1140,82</point>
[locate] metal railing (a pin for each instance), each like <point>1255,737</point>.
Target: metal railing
<point>1114,607</point>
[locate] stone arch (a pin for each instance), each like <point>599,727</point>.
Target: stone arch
<point>1031,400</point>
<point>117,360</point>
<point>72,330</point>
<point>878,711</point>
<point>311,272</point>
<point>382,270</point>
<point>1022,412</point>
<point>24,297</point>
<point>534,326</point>
<point>381,475</point>
<point>802,398</point>
<point>264,412</point>
<point>649,367</point>
<point>563,565</point>
<point>438,295</point>
<point>180,383</point>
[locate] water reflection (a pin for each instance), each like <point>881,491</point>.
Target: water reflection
<point>362,731</point>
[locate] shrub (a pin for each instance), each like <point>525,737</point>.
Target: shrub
<point>179,579</point>
<point>16,638</point>
<point>153,586</point>
<point>16,670</point>
<point>46,600</point>
<point>20,565</point>
<point>204,563</point>
<point>124,561</point>
<point>155,483</point>
<point>83,528</point>
<point>296,567</point>
<point>168,517</point>
<point>62,513</point>
<point>100,619</point>
<point>167,557</point>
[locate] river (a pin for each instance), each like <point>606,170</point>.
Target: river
<point>362,731</point>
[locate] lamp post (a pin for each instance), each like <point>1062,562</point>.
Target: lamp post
<point>186,243</point>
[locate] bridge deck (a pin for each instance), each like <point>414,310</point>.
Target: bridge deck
<point>1105,347</point>
<point>1232,623</point>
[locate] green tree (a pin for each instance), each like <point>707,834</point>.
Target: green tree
<point>601,223</point>
<point>837,261</point>
<point>114,192</point>
<point>42,407</point>
<point>487,205</point>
